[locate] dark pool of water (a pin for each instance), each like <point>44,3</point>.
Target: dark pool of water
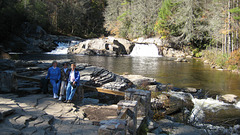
<point>191,74</point>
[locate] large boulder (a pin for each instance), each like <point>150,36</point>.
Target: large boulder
<point>100,77</point>
<point>140,80</point>
<point>108,46</point>
<point>229,98</point>
<point>171,104</point>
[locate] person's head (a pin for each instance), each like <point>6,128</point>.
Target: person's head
<point>73,66</point>
<point>54,63</point>
<point>65,65</point>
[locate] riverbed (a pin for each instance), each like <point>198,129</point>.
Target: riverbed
<point>181,74</point>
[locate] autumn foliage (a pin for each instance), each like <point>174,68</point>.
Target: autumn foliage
<point>234,60</point>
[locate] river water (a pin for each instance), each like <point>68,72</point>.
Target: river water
<point>191,74</point>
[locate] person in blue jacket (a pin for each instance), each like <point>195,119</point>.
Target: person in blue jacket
<point>73,83</point>
<point>54,74</point>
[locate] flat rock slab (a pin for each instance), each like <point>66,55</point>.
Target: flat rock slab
<point>41,114</point>
<point>100,113</point>
<point>5,111</point>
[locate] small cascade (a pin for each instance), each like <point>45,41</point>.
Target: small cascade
<point>63,47</point>
<point>145,50</point>
<point>210,107</point>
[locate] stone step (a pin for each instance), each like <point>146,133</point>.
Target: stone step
<point>5,111</point>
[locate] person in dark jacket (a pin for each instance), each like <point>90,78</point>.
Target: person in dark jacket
<point>54,74</point>
<point>73,83</point>
<point>64,79</point>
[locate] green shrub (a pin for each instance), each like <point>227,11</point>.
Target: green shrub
<point>197,53</point>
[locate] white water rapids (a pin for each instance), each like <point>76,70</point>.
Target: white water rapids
<point>63,47</point>
<point>144,50</point>
<point>209,104</point>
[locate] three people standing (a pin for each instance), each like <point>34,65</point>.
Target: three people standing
<point>69,78</point>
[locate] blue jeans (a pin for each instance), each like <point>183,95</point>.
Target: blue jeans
<point>70,91</point>
<point>55,86</point>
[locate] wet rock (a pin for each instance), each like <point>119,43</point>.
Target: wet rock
<point>190,90</point>
<point>181,60</point>
<point>139,80</point>
<point>229,98</point>
<point>179,129</point>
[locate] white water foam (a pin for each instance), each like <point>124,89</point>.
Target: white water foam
<point>145,50</point>
<point>201,105</point>
<point>63,47</point>
<point>237,105</point>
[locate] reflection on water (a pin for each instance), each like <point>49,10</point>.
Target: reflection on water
<point>192,74</point>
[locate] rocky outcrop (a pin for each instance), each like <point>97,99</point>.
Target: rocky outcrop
<point>100,77</point>
<point>108,46</point>
<point>34,39</point>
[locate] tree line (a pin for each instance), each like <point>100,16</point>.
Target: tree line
<point>194,23</point>
<point>197,23</point>
<point>82,18</point>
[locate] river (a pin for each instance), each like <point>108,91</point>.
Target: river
<point>190,74</point>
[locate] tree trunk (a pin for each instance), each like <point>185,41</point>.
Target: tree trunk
<point>229,27</point>
<point>237,38</point>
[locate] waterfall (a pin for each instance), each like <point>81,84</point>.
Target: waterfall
<point>145,50</point>
<point>62,47</point>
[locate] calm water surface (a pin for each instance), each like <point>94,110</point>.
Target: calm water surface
<point>191,74</point>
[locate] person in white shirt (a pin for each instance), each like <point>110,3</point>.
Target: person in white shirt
<point>73,83</point>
